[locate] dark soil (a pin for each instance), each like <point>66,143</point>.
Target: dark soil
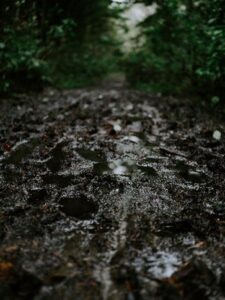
<point>110,194</point>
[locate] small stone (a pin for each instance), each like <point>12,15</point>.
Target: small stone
<point>117,127</point>
<point>217,135</point>
<point>120,170</point>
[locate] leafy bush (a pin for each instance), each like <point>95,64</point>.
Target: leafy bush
<point>65,43</point>
<point>72,66</point>
<point>20,54</point>
<point>183,50</point>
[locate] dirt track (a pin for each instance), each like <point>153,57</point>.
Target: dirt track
<point>110,194</point>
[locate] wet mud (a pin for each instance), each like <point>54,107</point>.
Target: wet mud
<point>110,194</point>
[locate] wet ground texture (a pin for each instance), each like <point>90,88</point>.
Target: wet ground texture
<point>110,194</point>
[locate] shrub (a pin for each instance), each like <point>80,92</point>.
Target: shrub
<point>183,50</point>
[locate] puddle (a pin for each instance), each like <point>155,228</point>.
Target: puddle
<point>189,174</point>
<point>176,227</point>
<point>92,155</point>
<point>101,165</point>
<point>149,171</point>
<point>101,168</point>
<point>147,140</point>
<point>20,151</point>
<point>37,196</point>
<point>79,207</point>
<point>154,159</point>
<point>59,180</point>
<point>57,157</point>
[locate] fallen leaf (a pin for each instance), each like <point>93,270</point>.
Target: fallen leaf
<point>5,269</point>
<point>7,147</point>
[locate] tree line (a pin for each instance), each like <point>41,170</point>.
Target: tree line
<point>183,50</point>
<point>59,42</point>
<point>180,49</point>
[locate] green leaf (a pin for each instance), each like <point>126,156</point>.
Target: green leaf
<point>2,45</point>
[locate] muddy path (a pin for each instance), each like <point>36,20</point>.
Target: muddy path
<point>110,194</point>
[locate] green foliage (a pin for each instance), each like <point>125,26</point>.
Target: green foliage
<point>20,58</point>
<point>65,43</point>
<point>69,68</point>
<point>183,50</point>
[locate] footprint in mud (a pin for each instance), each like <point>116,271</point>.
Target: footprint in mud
<point>78,206</point>
<point>92,155</point>
<point>188,174</point>
<point>57,156</point>
<point>21,151</point>
<point>101,168</point>
<point>59,180</point>
<point>149,171</point>
<point>101,165</point>
<point>37,196</point>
